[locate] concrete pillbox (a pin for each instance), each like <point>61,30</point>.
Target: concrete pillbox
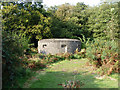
<point>54,46</point>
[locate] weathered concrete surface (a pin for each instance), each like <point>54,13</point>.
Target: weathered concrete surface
<point>54,46</point>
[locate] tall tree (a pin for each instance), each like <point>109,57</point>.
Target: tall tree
<point>113,25</point>
<point>26,19</point>
<point>98,19</point>
<point>80,18</point>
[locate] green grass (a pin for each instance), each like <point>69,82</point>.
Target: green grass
<point>20,80</point>
<point>59,72</point>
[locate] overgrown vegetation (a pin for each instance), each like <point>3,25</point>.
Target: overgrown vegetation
<point>71,74</point>
<point>104,55</point>
<point>37,61</point>
<point>13,49</point>
<point>25,23</point>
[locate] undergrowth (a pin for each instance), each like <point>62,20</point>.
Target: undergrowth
<point>103,55</point>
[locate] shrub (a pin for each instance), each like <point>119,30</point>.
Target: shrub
<point>80,54</point>
<point>13,48</point>
<point>41,60</point>
<point>84,41</point>
<point>76,56</point>
<point>103,54</point>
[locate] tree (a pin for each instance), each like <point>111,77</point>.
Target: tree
<point>80,19</point>
<point>60,26</point>
<point>71,20</point>
<point>98,19</point>
<point>112,26</point>
<point>64,11</point>
<point>26,20</point>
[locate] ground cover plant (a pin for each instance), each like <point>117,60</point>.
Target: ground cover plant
<point>37,60</point>
<point>59,74</point>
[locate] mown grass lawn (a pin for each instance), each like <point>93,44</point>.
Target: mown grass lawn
<point>59,72</point>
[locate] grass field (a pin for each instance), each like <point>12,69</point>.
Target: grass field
<point>59,72</point>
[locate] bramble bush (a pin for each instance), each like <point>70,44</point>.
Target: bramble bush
<point>103,54</point>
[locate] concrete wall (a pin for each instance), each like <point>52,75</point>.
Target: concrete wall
<point>55,46</point>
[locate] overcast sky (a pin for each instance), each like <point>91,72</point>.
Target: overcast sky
<point>72,2</point>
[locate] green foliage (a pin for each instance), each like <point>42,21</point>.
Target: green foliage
<point>84,41</point>
<point>68,21</point>
<point>40,60</point>
<point>13,49</point>
<point>26,20</point>
<point>63,21</point>
<point>104,55</point>
<point>102,21</point>
<point>113,27</point>
<point>64,11</point>
<point>25,23</point>
<point>93,22</point>
<point>76,56</point>
<point>34,61</point>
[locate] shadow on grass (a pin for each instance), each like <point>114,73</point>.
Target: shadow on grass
<point>52,79</point>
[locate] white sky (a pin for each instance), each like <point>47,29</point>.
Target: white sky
<point>72,2</point>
